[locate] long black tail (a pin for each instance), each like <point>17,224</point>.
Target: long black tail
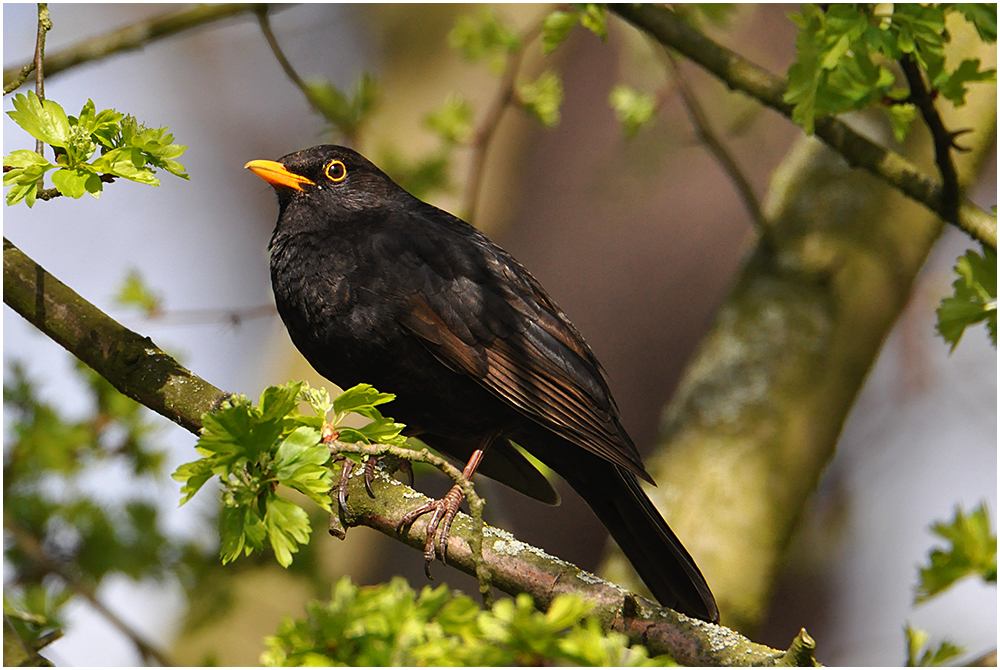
<point>654,551</point>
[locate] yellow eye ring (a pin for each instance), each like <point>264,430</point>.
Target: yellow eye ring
<point>335,171</point>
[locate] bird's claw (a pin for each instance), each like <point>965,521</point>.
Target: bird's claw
<point>438,528</point>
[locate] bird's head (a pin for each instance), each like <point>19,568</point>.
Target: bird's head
<point>330,177</point>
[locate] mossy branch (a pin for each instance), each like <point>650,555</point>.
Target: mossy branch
<point>666,27</point>
<point>131,362</point>
<point>145,373</point>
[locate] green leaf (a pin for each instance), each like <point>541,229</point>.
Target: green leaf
<point>345,113</point>
<point>593,18</point>
<point>555,28</point>
<point>974,298</point>
<point>287,527</point>
<point>983,15</point>
<point>953,86</point>
<point>633,109</point>
<point>361,399</point>
<point>543,97</point>
<point>901,117</point>
<point>920,656</point>
<point>453,120</point>
<point>973,551</point>
<point>43,120</point>
<point>484,36</point>
<point>71,182</point>
<point>134,292</point>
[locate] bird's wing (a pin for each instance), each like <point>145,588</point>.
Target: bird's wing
<point>491,320</point>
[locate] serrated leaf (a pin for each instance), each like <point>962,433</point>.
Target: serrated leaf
<point>974,297</point>
<point>594,19</point>
<point>918,656</point>
<point>287,527</point>
<point>484,36</point>
<point>361,399</point>
<point>953,86</point>
<point>973,551</point>
<point>43,120</point>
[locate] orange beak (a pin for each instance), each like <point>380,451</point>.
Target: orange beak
<point>276,174</point>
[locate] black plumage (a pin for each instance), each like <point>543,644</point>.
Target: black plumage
<point>376,286</point>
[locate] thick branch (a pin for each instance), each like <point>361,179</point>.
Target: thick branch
<point>740,74</point>
<point>129,38</point>
<point>141,371</point>
<point>132,363</point>
<point>517,567</point>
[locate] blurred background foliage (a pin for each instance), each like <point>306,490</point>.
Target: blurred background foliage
<point>582,161</point>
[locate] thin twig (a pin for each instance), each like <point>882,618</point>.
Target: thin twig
<point>22,77</point>
<point>265,27</point>
<point>704,129</point>
<point>197,317</point>
<point>44,25</point>
<point>130,37</point>
<point>943,140</point>
<point>31,545</point>
<point>483,137</point>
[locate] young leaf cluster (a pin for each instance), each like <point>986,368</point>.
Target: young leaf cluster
<point>847,52</point>
<point>974,299</point>
<point>253,450</point>
<point>919,655</point>
<point>345,113</point>
<point>86,147</point>
<point>48,459</point>
<point>556,26</point>
<point>973,551</point>
<point>632,108</point>
<point>390,624</point>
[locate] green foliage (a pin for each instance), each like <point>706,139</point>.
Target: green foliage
<point>127,149</point>
<point>919,655</point>
<point>390,624</point>
<point>633,109</point>
<point>134,292</point>
<point>484,37</point>
<point>421,176</point>
<point>556,26</point>
<point>452,122</point>
<point>345,113</point>
<point>846,57</point>
<point>543,97</point>
<point>974,299</point>
<point>253,450</point>
<point>973,551</point>
<point>48,459</point>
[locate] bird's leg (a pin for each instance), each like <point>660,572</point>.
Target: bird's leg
<point>445,510</point>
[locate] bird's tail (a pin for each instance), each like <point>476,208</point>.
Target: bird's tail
<point>650,546</point>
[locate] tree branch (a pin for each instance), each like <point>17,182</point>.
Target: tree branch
<point>516,567</point>
<point>128,38</point>
<point>143,372</point>
<point>483,137</point>
<point>132,363</point>
<point>704,129</point>
<point>943,140</point>
<point>666,27</point>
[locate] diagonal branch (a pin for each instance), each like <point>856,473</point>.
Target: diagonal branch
<point>943,140</point>
<point>128,38</point>
<point>704,129</point>
<point>143,372</point>
<point>666,27</point>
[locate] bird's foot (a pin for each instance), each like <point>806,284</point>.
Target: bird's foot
<point>439,527</point>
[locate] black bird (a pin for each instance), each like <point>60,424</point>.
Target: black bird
<point>377,286</point>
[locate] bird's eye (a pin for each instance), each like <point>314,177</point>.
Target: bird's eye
<point>335,170</point>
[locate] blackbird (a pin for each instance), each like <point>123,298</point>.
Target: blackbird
<point>377,286</point>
